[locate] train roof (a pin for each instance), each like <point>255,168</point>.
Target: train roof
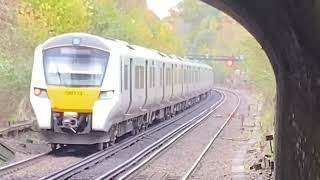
<point>105,43</point>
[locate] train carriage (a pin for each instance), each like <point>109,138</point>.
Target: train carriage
<point>90,90</point>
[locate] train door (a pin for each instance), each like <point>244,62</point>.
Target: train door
<point>158,82</point>
<point>139,94</point>
<point>146,78</point>
<point>162,80</point>
<point>172,80</point>
<point>137,82</point>
<point>181,80</point>
<point>130,68</point>
<point>168,82</point>
<point>185,82</point>
<point>152,84</point>
<point>125,80</point>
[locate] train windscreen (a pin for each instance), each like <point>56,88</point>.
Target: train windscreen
<point>75,66</point>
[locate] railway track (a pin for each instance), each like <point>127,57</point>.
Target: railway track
<point>11,168</point>
<point>93,159</point>
<point>203,153</point>
<point>45,163</point>
<point>131,166</point>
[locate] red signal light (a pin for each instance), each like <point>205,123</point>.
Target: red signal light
<point>229,63</point>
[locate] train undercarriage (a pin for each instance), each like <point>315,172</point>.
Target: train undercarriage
<point>76,128</point>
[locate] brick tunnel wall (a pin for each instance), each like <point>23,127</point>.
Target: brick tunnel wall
<point>288,31</point>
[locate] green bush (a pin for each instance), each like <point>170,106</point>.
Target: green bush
<point>14,90</point>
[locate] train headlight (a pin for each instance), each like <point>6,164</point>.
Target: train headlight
<point>107,94</point>
<point>40,92</point>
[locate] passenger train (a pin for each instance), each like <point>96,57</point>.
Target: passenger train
<point>87,89</point>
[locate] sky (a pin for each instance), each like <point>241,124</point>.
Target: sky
<point>161,7</point>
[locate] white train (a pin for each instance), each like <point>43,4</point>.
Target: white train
<point>90,90</point>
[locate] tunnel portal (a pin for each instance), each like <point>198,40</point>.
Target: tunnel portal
<point>288,31</point>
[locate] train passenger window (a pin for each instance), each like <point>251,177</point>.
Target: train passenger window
<point>126,77</point>
<point>168,77</point>
<point>150,77</point>
<point>175,76</point>
<point>188,75</point>
<point>192,75</point>
<point>181,75</point>
<point>136,77</point>
<point>153,77</point>
<point>175,80</point>
<point>161,76</point>
<point>139,77</point>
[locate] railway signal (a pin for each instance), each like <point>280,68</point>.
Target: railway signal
<point>207,57</point>
<point>229,63</point>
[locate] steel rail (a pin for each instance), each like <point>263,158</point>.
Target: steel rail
<point>100,156</point>
<point>17,165</point>
<point>131,165</point>
<point>209,145</point>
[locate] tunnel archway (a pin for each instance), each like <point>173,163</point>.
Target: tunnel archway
<point>287,31</point>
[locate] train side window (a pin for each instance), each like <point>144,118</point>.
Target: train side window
<point>188,74</point>
<point>161,77</point>
<point>180,75</point>
<point>126,73</point>
<point>175,80</point>
<point>141,77</point>
<point>168,77</point>
<point>153,77</point>
<point>185,76</point>
<point>137,77</point>
<point>150,77</point>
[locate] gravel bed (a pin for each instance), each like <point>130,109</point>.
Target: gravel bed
<point>51,163</point>
<point>26,145</point>
<point>42,168</point>
<point>223,161</point>
<point>125,154</point>
<point>218,161</point>
<point>173,163</point>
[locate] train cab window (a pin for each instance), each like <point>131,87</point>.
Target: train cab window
<point>75,66</point>
<point>126,73</point>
